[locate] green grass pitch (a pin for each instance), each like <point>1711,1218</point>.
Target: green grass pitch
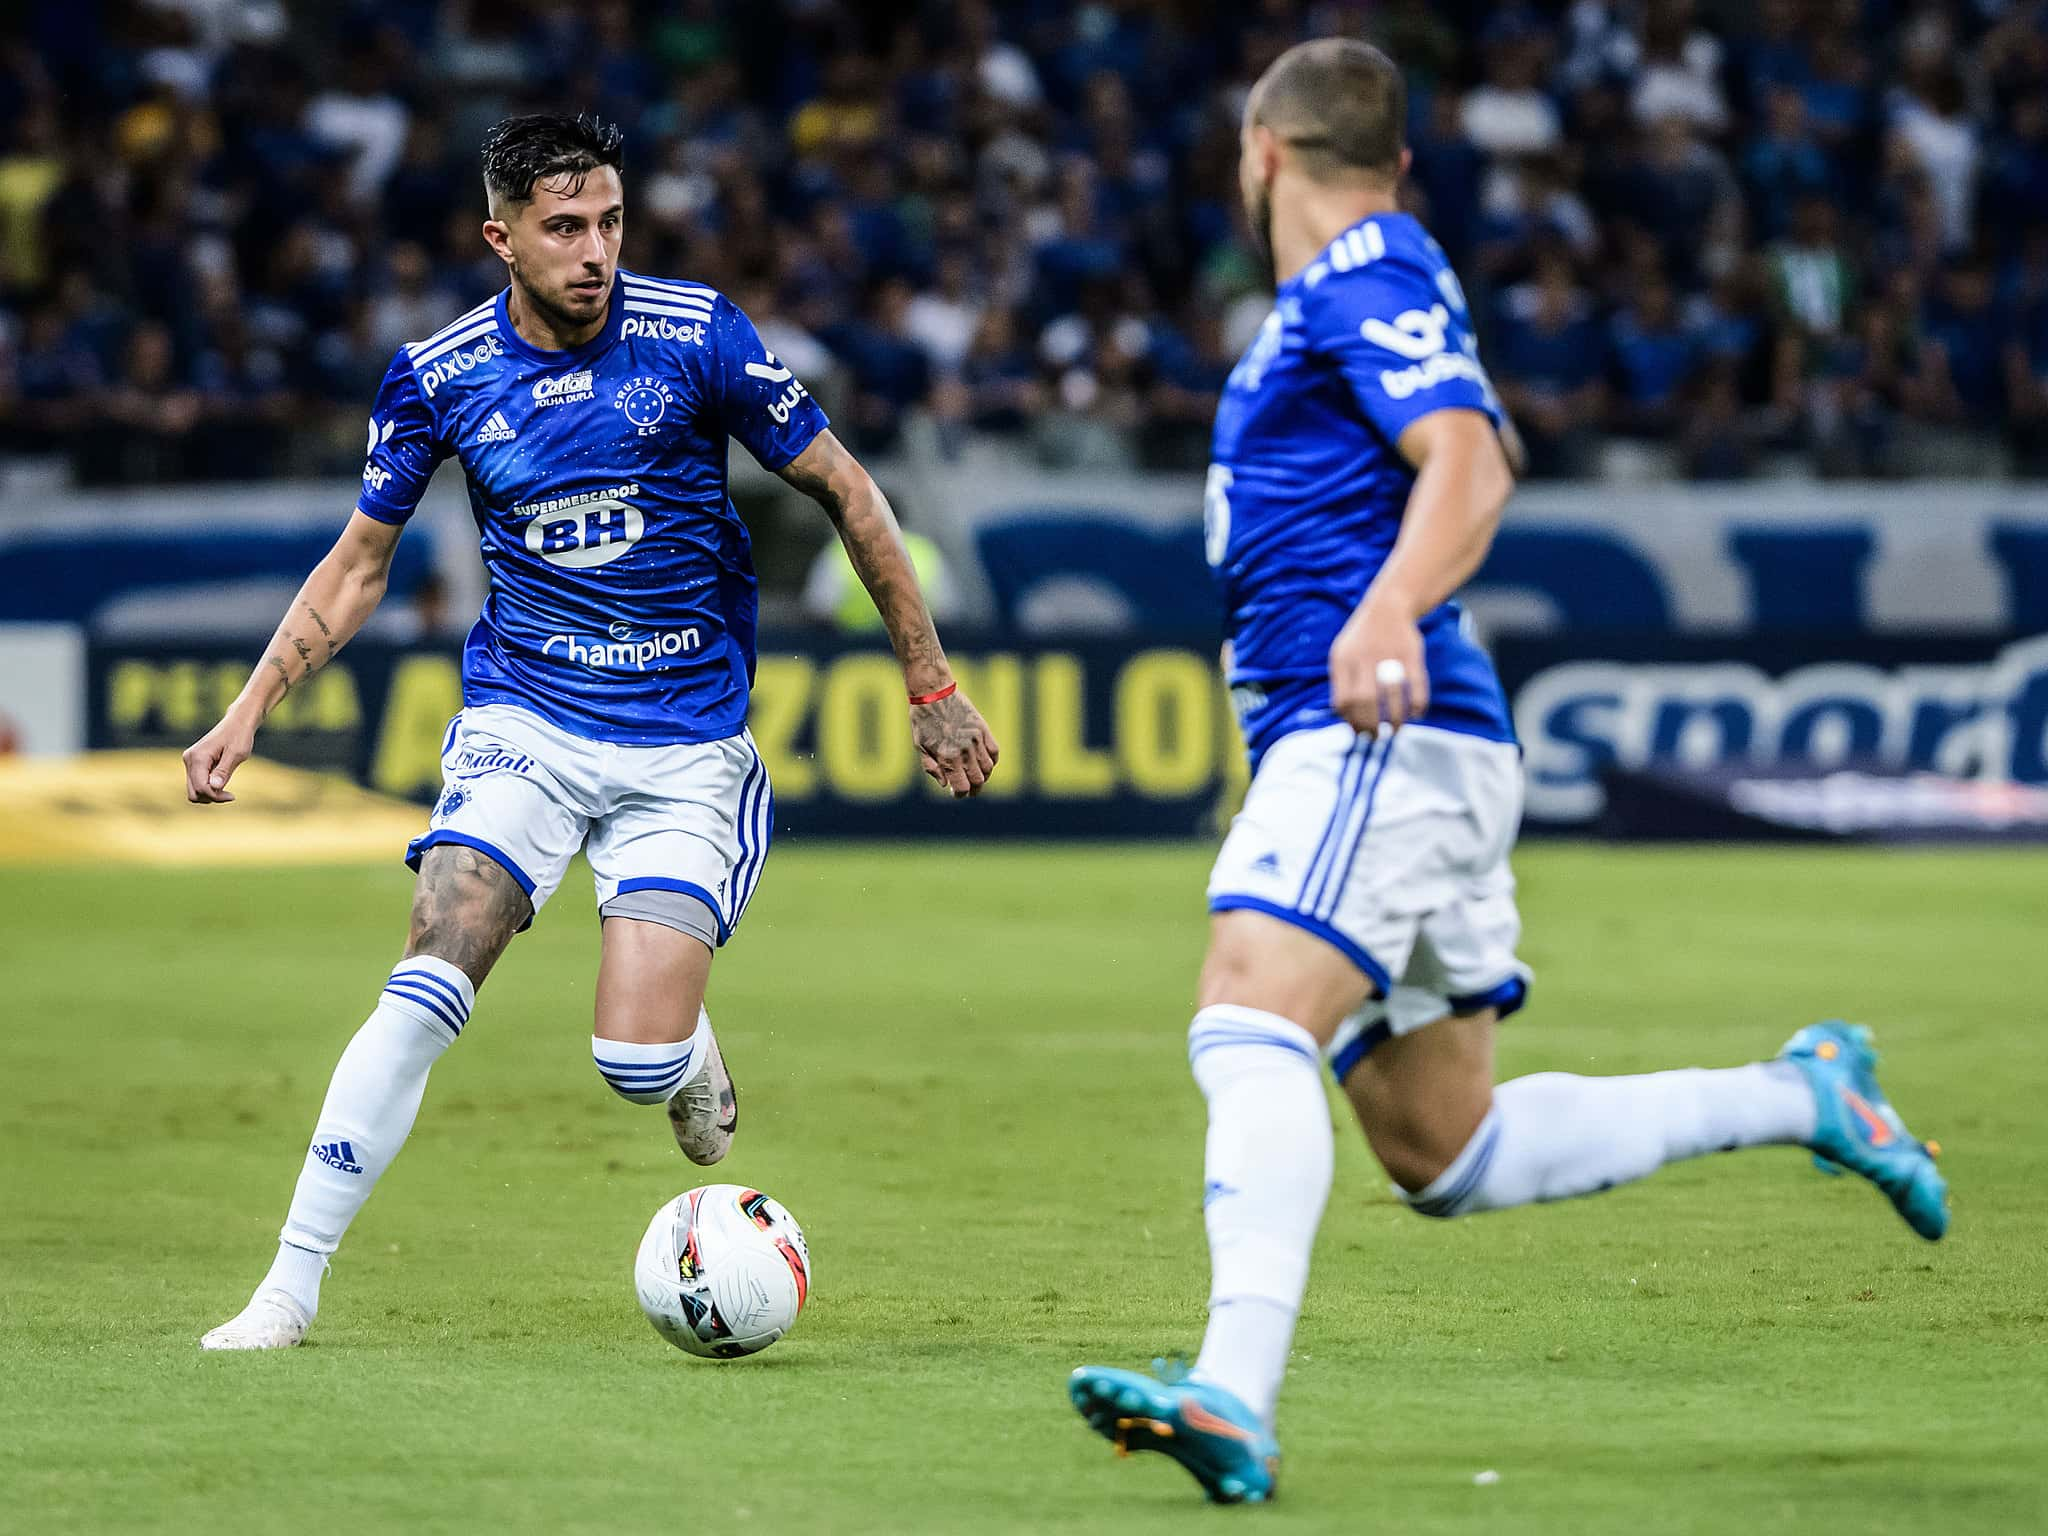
<point>963,1071</point>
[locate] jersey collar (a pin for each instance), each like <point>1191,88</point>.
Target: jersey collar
<point>518,345</point>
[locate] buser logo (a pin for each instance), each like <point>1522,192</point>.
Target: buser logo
<point>649,329</point>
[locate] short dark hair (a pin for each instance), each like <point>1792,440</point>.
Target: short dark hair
<point>1339,103</point>
<point>544,145</point>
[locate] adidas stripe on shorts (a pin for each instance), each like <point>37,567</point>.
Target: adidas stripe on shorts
<point>1394,850</point>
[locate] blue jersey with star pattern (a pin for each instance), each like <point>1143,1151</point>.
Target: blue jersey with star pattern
<point>622,595</point>
<point>1306,488</point>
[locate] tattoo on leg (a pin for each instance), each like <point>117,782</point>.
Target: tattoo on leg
<point>465,910</point>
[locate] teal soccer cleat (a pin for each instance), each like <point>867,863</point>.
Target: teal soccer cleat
<point>1206,1429</point>
<point>1856,1129</point>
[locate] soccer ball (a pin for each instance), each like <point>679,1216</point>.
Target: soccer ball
<point>722,1272</point>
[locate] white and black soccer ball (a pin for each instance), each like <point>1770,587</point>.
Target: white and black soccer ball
<point>723,1271</point>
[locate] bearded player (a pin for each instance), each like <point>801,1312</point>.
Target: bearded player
<point>605,684</point>
<point>1363,910</point>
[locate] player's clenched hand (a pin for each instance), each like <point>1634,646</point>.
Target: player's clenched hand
<point>212,760</point>
<point>1377,675</point>
<point>953,743</point>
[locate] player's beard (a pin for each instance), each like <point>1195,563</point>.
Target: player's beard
<point>559,317</point>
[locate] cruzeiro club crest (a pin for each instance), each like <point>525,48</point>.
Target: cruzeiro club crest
<point>645,401</point>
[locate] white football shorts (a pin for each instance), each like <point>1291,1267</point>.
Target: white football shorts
<point>1395,851</point>
<point>691,819</point>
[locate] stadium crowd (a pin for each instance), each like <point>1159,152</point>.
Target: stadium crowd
<point>1790,233</point>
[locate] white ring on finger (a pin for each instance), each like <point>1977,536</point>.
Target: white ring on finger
<point>1390,674</point>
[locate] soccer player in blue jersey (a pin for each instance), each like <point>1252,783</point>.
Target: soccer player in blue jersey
<point>605,684</point>
<point>1364,913</point>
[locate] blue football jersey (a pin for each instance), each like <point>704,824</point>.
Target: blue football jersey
<point>1306,489</point>
<point>622,596</point>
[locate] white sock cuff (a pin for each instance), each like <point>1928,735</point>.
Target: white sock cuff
<point>431,990</point>
<point>1223,1025</point>
<point>646,1073</point>
<point>1451,1190</point>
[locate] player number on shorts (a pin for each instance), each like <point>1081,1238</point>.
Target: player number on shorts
<point>1216,514</point>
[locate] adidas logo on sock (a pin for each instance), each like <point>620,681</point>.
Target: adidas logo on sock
<point>338,1155</point>
<point>496,430</point>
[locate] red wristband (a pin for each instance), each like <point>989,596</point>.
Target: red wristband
<point>932,698</point>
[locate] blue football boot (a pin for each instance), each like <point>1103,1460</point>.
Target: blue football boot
<point>1856,1129</point>
<point>1207,1430</point>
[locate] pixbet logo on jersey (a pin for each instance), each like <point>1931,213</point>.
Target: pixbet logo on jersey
<point>581,531</point>
<point>460,361</point>
<point>566,390</point>
<point>645,401</point>
<point>650,329</point>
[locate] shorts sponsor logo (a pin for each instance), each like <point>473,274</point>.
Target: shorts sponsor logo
<point>452,365</point>
<point>566,390</point>
<point>1986,721</point>
<point>487,758</point>
<point>618,652</point>
<point>651,328</point>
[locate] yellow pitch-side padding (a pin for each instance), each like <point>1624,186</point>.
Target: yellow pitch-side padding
<point>130,808</point>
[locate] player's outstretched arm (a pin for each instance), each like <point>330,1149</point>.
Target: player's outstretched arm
<point>1462,481</point>
<point>953,741</point>
<point>343,590</point>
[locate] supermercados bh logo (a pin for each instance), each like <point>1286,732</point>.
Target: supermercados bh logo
<point>1987,721</point>
<point>594,528</point>
<point>452,365</point>
<point>653,328</point>
<point>645,402</point>
<point>566,390</point>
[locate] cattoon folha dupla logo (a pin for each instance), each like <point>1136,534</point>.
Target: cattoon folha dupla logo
<point>1984,720</point>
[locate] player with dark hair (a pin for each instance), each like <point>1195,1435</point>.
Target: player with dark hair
<point>605,684</point>
<point>1364,912</point>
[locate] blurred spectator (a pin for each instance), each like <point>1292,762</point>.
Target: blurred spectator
<point>141,431</point>
<point>1655,362</point>
<point>1547,359</point>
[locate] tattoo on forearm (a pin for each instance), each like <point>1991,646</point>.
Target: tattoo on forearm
<point>278,663</point>
<point>305,653</point>
<point>326,633</point>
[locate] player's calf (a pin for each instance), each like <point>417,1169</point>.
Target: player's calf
<point>654,1043</point>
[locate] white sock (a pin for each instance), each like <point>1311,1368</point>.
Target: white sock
<point>371,1103</point>
<point>652,1073</point>
<point>1268,1166</point>
<point>1553,1136</point>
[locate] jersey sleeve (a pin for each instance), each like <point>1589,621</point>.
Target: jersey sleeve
<point>404,449</point>
<point>759,401</point>
<point>1402,342</point>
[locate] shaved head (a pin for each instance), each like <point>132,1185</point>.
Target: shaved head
<point>1338,104</point>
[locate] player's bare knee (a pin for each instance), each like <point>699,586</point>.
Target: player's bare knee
<point>1257,962</point>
